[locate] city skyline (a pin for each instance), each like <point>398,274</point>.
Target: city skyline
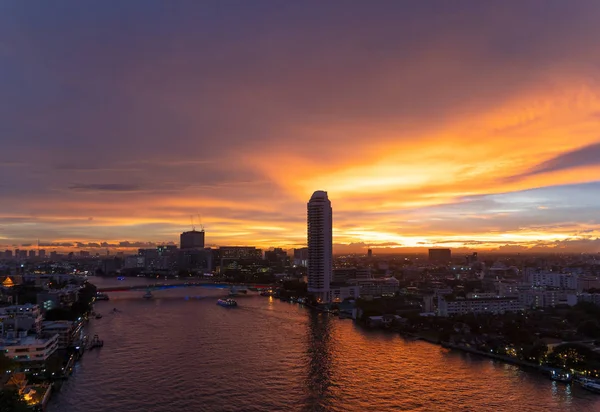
<point>471,127</point>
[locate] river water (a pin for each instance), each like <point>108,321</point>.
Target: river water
<point>182,352</point>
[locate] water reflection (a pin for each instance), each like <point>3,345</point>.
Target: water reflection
<point>320,363</point>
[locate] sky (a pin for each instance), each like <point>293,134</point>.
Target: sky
<point>464,124</point>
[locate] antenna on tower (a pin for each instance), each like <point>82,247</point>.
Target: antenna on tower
<point>192,219</point>
<point>200,222</point>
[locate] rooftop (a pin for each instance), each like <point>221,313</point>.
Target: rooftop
<point>24,341</point>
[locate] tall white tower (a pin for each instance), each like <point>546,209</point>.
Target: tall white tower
<point>320,243</point>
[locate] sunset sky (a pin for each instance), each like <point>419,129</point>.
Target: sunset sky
<point>468,124</point>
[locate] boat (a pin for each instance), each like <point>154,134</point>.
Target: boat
<point>560,375</point>
<point>148,295</point>
<point>236,292</point>
<point>590,385</point>
<point>96,342</point>
<point>102,296</point>
<point>228,303</point>
<point>98,316</point>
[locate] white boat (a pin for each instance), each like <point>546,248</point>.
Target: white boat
<point>228,303</point>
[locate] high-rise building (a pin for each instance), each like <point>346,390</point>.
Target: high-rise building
<point>320,244</point>
<point>32,253</point>
<point>370,253</point>
<point>440,255</point>
<point>193,239</point>
<point>42,253</point>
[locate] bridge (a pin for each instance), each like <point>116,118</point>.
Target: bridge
<point>162,286</point>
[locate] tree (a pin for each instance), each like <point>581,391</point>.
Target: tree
<point>6,364</point>
<point>589,328</point>
<point>10,401</point>
<point>60,314</point>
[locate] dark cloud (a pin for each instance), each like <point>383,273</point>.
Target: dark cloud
<point>57,244</point>
<point>108,187</point>
<point>586,156</point>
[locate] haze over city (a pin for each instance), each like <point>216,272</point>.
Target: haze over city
<point>471,125</point>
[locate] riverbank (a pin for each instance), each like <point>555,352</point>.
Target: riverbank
<point>495,356</point>
<point>435,337</point>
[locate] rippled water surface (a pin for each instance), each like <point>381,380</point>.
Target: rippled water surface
<point>178,354</point>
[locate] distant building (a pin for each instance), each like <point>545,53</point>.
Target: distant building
<point>585,283</point>
<point>31,253</point>
<point>301,257</point>
<point>320,244</point>
<point>541,297</point>
<point>42,253</point>
<point>8,254</point>
<point>278,257</point>
<point>448,306</point>
<point>470,259</point>
<point>552,279</point>
<point>376,286</point>
<point>440,255</point>
<point>574,299</point>
<point>239,255</point>
<point>370,253</point>
<point>195,259</point>
<point>166,250</point>
<point>193,239</point>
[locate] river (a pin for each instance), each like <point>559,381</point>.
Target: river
<point>182,352</point>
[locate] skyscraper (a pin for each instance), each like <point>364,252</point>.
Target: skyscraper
<point>320,243</point>
<point>192,240</point>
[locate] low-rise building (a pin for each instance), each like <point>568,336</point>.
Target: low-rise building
<point>26,317</point>
<point>341,293</point>
<point>574,299</point>
<point>543,297</point>
<point>376,286</point>
<point>29,351</point>
<point>58,298</point>
<point>449,306</point>
<point>552,279</point>
<point>68,332</point>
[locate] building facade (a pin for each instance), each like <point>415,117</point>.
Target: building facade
<point>449,307</point>
<point>320,246</point>
<point>28,351</point>
<point>440,255</point>
<point>193,239</point>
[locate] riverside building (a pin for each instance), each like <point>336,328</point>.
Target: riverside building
<point>320,246</point>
